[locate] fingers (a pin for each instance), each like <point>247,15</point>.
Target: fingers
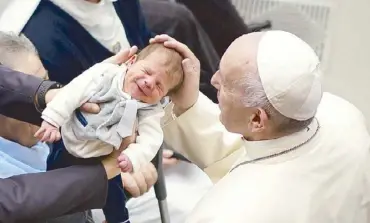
<point>46,136</point>
<point>39,132</point>
<point>181,49</point>
<point>160,38</point>
<point>150,175</point>
<point>190,67</point>
<point>167,153</point>
<point>174,44</point>
<point>90,108</point>
<point>130,184</point>
<point>122,56</point>
<point>139,183</point>
<point>169,162</point>
<point>52,137</point>
<point>133,51</point>
<point>140,179</point>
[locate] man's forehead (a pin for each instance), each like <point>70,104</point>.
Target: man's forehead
<point>241,56</point>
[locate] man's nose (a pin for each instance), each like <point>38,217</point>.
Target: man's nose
<point>214,81</point>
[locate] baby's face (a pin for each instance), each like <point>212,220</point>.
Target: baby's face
<point>148,80</point>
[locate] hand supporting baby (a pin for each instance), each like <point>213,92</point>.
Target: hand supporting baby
<point>48,133</point>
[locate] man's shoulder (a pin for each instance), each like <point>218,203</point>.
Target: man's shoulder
<point>334,109</point>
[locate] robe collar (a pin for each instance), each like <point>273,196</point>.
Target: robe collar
<point>264,148</point>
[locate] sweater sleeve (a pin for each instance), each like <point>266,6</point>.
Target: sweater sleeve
<point>148,141</point>
<point>74,94</point>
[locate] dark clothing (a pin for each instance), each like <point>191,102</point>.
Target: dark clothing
<point>17,92</point>
<point>219,19</point>
<point>179,22</point>
<point>67,49</point>
<point>36,197</point>
<point>66,56</point>
<point>115,210</point>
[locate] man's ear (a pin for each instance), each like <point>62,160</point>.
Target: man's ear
<point>132,60</point>
<point>258,120</point>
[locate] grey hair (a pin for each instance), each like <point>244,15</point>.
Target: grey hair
<point>12,46</point>
<point>254,96</point>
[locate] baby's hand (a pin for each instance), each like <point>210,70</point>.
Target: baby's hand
<point>47,133</point>
<point>124,163</point>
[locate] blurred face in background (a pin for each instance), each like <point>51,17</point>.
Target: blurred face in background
<point>18,131</point>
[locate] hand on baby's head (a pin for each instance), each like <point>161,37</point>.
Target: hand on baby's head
<point>48,133</point>
<point>156,73</point>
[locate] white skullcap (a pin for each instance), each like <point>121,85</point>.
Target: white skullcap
<point>289,71</point>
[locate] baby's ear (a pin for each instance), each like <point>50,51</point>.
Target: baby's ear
<point>131,61</point>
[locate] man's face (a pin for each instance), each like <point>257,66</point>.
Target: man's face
<point>31,64</point>
<point>229,96</point>
<point>233,68</point>
<point>15,130</point>
<point>148,80</point>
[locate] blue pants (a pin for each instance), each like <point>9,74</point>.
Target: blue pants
<point>115,210</point>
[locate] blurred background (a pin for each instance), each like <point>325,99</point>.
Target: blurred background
<point>337,29</point>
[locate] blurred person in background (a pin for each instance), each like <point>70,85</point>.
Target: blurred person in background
<point>220,20</point>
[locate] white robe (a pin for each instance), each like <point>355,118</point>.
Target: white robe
<point>326,180</point>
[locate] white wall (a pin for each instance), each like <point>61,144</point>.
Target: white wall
<point>3,4</point>
<point>347,58</point>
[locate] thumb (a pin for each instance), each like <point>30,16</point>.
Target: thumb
<point>122,56</point>
<point>167,153</point>
<point>187,66</point>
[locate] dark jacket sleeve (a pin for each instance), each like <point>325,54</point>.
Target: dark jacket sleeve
<point>40,196</point>
<point>17,92</point>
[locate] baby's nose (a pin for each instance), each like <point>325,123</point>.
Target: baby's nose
<point>149,83</point>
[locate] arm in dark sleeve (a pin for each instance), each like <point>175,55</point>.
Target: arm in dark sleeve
<point>17,95</point>
<point>51,194</point>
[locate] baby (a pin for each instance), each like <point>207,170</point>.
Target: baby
<point>126,94</point>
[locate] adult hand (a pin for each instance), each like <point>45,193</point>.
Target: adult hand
<point>188,94</point>
<point>110,164</point>
<point>167,160</point>
<point>119,58</point>
<point>140,182</point>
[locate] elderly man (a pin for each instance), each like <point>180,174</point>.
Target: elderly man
<point>305,153</point>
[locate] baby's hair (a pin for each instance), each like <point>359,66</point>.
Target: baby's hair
<point>173,62</point>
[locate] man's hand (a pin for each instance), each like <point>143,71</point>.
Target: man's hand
<point>140,182</point>
<point>110,164</point>
<point>167,158</point>
<point>188,94</point>
<point>92,108</point>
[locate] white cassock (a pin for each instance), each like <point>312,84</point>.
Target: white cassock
<point>327,180</point>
